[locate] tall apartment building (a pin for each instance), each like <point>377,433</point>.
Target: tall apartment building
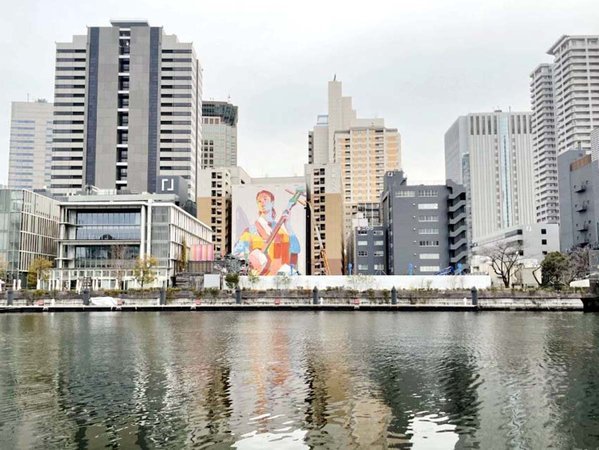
<point>30,145</point>
<point>219,134</point>
<point>565,105</point>
<point>127,109</point>
<point>425,227</point>
<point>215,188</point>
<point>490,154</point>
<point>364,150</point>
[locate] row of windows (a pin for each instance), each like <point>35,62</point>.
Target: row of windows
<point>377,253</point>
<point>418,193</point>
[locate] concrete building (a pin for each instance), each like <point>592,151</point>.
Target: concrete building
<point>127,110</point>
<point>324,219</point>
<point>30,145</point>
<point>579,221</point>
<point>565,101</point>
<point>425,227</point>
<point>369,250</point>
<point>102,234</point>
<point>219,134</point>
<point>28,230</point>
<point>215,187</point>
<point>544,145</point>
<point>533,242</point>
<point>490,154</point>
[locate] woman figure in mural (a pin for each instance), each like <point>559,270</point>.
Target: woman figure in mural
<point>270,245</point>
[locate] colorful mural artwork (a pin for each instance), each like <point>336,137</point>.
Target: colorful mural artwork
<point>269,223</point>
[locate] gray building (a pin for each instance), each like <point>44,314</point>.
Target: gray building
<point>28,230</point>
<point>219,134</point>
<point>369,250</point>
<point>425,226</point>
<point>577,191</point>
<point>127,109</point>
<point>30,145</point>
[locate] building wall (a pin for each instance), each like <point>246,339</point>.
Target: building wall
<point>214,206</point>
<point>28,230</point>
<point>496,156</point>
<point>578,218</point>
<point>369,250</point>
<point>219,134</point>
<point>30,151</point>
<point>544,145</point>
<point>127,97</point>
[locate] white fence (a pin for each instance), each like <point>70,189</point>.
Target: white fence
<point>364,282</point>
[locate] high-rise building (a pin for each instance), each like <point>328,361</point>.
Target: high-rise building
<point>490,154</point>
<point>30,145</point>
<point>127,110</point>
<point>425,227</point>
<point>219,134</point>
<point>363,148</point>
<point>565,105</point>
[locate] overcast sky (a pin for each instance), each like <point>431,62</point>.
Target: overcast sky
<point>418,64</point>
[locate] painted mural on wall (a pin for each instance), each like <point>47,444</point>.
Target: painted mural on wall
<point>269,224</point>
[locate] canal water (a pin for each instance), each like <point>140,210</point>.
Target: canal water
<point>287,380</point>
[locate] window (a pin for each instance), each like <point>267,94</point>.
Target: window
<point>362,243</point>
<point>362,253</point>
<point>428,206</point>
<point>543,241</point>
<point>429,268</point>
<point>379,253</point>
<point>428,231</point>
<point>428,243</point>
<point>378,232</point>
<point>379,243</point>
<point>429,255</point>
<point>543,230</point>
<point>379,267</point>
<point>399,194</point>
<point>426,218</point>
<point>362,232</point>
<point>427,193</point>
<point>362,266</point>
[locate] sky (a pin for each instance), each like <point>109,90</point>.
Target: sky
<point>417,64</point>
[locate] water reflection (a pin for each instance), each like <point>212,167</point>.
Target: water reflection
<point>299,380</point>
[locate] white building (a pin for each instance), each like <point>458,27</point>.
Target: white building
<point>127,109</point>
<point>565,105</point>
<point>490,154</point>
<point>30,145</point>
<point>102,234</point>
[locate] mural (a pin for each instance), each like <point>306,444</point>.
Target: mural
<point>269,227</point>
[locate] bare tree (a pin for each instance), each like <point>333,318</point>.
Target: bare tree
<point>505,260</point>
<point>578,264</point>
<point>120,262</point>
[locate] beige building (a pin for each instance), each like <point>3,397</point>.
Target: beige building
<point>214,203</point>
<point>360,150</point>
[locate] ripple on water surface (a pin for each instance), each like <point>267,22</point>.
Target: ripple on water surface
<point>299,380</point>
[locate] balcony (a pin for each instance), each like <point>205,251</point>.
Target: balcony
<point>580,187</point>
<point>582,227</point>
<point>581,207</point>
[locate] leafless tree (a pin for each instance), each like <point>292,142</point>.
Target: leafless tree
<point>505,260</point>
<point>578,264</point>
<point>120,263</point>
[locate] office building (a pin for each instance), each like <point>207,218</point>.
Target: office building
<point>28,230</point>
<point>578,188</point>
<point>127,110</point>
<point>425,227</point>
<point>30,145</point>
<point>215,187</point>
<point>219,134</point>
<point>490,154</point>
<point>565,101</point>
<point>102,233</point>
<point>369,252</point>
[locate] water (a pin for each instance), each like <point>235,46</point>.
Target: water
<point>299,380</point>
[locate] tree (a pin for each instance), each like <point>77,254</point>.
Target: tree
<point>3,270</point>
<point>119,262</point>
<point>505,260</point>
<point>578,264</point>
<point>182,260</point>
<point>554,269</point>
<point>143,270</point>
<point>39,269</point>
<point>232,280</point>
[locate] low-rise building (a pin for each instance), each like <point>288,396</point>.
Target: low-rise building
<point>425,226</point>
<point>28,230</point>
<point>101,235</point>
<point>369,250</point>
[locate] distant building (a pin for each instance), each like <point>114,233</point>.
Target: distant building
<point>490,154</point>
<point>30,148</point>
<point>559,124</point>
<point>578,190</point>
<point>127,110</point>
<point>425,227</point>
<point>102,234</point>
<point>215,187</point>
<point>369,248</point>
<point>219,134</point>
<point>28,230</point>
